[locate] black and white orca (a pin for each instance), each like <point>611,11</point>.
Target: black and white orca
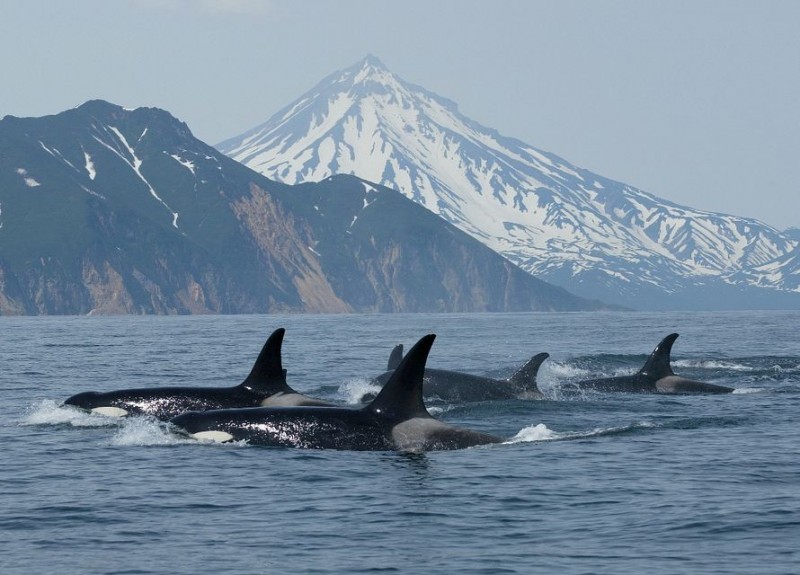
<point>395,420</point>
<point>265,385</point>
<point>456,386</point>
<point>655,377</point>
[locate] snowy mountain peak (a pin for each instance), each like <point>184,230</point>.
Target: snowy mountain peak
<point>365,77</point>
<point>369,67</point>
<point>593,235</point>
<point>372,61</point>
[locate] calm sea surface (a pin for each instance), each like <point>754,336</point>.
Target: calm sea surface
<point>591,484</point>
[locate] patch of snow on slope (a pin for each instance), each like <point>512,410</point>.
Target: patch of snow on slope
<point>89,165</point>
<point>92,192</point>
<point>297,153</point>
<point>185,163</point>
<point>326,151</point>
<point>29,181</point>
<point>57,155</point>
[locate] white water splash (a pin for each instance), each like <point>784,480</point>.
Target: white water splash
<point>146,431</point>
<point>747,390</point>
<point>51,412</point>
<point>440,409</point>
<point>533,433</point>
<point>351,391</point>
<point>553,373</point>
<point>559,370</point>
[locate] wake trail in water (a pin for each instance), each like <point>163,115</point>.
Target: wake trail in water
<point>541,432</point>
<point>712,364</point>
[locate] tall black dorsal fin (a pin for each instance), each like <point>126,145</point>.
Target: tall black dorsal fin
<point>395,357</point>
<point>525,377</point>
<point>401,397</point>
<point>268,376</point>
<point>658,364</point>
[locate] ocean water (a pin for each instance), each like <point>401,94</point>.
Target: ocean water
<point>589,484</point>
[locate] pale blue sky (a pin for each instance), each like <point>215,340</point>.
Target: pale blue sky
<point>695,101</point>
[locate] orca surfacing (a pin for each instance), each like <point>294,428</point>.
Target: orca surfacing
<point>265,385</point>
<point>395,420</point>
<point>655,377</point>
<point>456,386</point>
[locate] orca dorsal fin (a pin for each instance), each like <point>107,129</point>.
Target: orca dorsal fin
<point>658,364</point>
<point>525,377</point>
<point>401,397</point>
<point>268,376</point>
<point>395,357</point>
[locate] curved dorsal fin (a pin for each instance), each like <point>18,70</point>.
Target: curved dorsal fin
<point>395,357</point>
<point>525,377</point>
<point>657,364</point>
<point>401,397</point>
<point>268,376</point>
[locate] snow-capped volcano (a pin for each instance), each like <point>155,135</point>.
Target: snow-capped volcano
<point>595,236</point>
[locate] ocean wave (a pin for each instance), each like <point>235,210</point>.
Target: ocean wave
<point>777,368</point>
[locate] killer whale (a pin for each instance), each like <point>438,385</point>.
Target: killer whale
<point>396,419</point>
<point>264,385</point>
<point>656,376</point>
<point>456,386</point>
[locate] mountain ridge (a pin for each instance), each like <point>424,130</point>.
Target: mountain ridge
<point>109,210</point>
